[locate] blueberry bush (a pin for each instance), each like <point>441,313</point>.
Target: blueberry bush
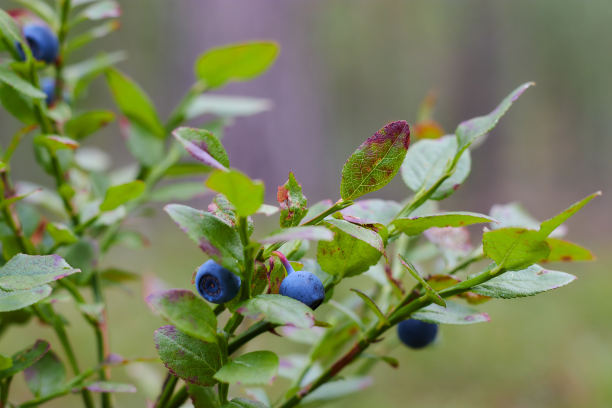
<point>423,270</point>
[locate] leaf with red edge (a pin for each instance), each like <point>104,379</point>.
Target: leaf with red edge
<point>376,161</point>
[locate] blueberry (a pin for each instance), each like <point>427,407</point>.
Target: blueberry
<point>301,285</point>
<point>48,87</point>
<point>42,41</point>
<point>215,283</point>
<point>416,334</point>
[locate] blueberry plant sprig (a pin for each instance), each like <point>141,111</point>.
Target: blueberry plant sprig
<point>54,238</point>
<point>379,238</point>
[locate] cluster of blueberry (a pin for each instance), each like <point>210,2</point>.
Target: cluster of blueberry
<point>44,45</point>
<point>219,285</point>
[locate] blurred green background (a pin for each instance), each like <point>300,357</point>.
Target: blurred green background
<point>346,68</point>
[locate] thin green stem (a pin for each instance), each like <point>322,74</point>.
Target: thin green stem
<point>179,398</point>
<point>60,331</point>
<point>4,390</point>
<point>248,335</point>
<point>100,334</point>
<point>167,389</point>
<point>62,34</point>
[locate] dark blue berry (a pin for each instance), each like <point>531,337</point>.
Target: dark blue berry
<point>42,41</point>
<point>215,283</point>
<point>305,287</point>
<point>48,87</point>
<point>416,334</point>
<point>301,285</point>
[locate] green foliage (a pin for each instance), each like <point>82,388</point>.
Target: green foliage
<point>191,359</point>
<point>237,62</point>
<point>55,241</point>
<point>255,368</point>
<point>187,313</point>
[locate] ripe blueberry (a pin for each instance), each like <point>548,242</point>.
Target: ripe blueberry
<point>416,334</point>
<point>48,87</point>
<point>301,285</point>
<point>215,283</point>
<point>42,41</point>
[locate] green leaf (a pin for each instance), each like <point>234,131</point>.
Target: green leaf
<point>426,163</point>
<point>278,309</point>
<point>198,150</point>
<point>30,271</point>
<point>255,368</point>
<point>292,202</point>
<point>80,75</point>
<point>100,10</point>
<point>25,358</point>
<point>315,233</point>
<point>61,234</point>
<point>178,191</point>
<point>416,225</point>
<point>145,146</point>
<point>190,359</point>
<point>453,313</point>
<point>203,397</point>
<point>366,235</point>
<point>346,255</point>
<point>371,304</point>
<point>376,161</point>
<point>5,362</point>
<point>469,131</point>
<point>17,104</point>
<point>374,210</point>
<point>88,36</point>
<point>121,194</point>
<point>526,282</point>
<point>197,141</point>
<point>243,403</point>
<point>226,106</point>
<point>133,102</point>
<point>337,389</point>
<point>246,195</point>
<point>9,29</point>
<point>41,9</point>
<point>107,386</point>
<point>431,292</point>
<point>187,312</point>
<point>87,123</point>
<point>55,143</point>
<point>45,376</point>
<point>514,248</point>
<point>548,226</point>
<point>235,62</point>
<point>565,251</point>
<point>214,236</point>
<point>18,299</point>
<point>20,85</point>
<point>186,169</point>
<point>115,275</point>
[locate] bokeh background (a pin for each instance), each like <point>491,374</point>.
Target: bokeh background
<point>346,68</point>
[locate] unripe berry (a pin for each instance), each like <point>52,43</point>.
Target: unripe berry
<point>416,334</point>
<point>301,285</point>
<point>42,41</point>
<point>215,283</point>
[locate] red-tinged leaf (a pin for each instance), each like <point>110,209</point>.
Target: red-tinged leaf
<point>187,312</point>
<point>565,251</point>
<point>292,202</point>
<point>26,358</point>
<point>376,161</point>
<point>29,271</point>
<point>193,360</point>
